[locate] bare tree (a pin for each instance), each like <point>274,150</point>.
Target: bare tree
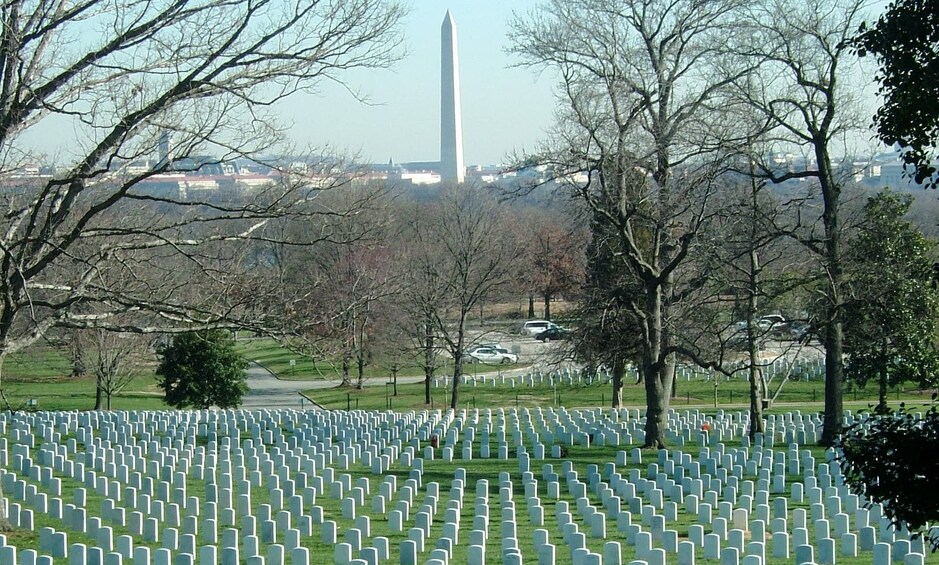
<point>639,86</point>
<point>803,91</point>
<point>113,359</point>
<point>91,240</point>
<point>553,263</point>
<point>421,289</point>
<point>462,253</point>
<point>361,280</point>
<point>327,293</point>
<point>753,267</point>
<point>122,94</point>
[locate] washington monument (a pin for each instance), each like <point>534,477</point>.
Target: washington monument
<point>451,126</point>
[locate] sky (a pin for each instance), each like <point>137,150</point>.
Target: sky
<point>504,109</point>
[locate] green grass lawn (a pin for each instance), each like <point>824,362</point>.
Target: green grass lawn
<point>39,378</point>
<point>379,394</point>
<point>42,374</point>
<point>694,393</point>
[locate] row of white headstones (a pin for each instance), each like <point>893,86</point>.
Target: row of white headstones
<point>571,376</point>
<point>288,486</point>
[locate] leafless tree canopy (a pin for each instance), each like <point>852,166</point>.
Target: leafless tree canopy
<point>87,241</point>
<point>461,253</point>
<point>658,98</point>
<point>113,359</point>
<point>801,90</point>
<point>640,90</point>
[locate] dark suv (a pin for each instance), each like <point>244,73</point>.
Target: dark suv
<point>554,333</point>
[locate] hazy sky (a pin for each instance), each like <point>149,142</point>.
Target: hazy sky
<point>504,109</point>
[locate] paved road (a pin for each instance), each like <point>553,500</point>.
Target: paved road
<point>267,391</point>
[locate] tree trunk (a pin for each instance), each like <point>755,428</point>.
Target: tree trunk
<point>360,367</point>
<point>834,376</point>
<point>348,347</point>
<point>531,305</point>
<point>547,306</point>
<point>455,391</point>
<point>756,401</point>
<point>428,361</point>
<point>882,394</point>
<point>619,369</point>
<point>658,370</point>
<point>99,395</point>
<point>346,365</point>
<point>457,365</point>
<point>834,335</point>
<point>361,353</point>
<point>658,391</point>
<point>755,373</point>
<point>5,525</point>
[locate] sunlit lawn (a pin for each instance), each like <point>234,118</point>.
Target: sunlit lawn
<point>40,379</point>
<point>42,375</point>
<point>379,394</point>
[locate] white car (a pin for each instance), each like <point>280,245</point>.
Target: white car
<point>491,355</point>
<point>762,325</point>
<point>469,350</point>
<point>772,322</point>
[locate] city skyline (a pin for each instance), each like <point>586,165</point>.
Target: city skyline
<point>505,109</point>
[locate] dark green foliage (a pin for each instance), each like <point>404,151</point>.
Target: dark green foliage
<point>894,460</point>
<point>607,332</point>
<point>905,42</point>
<point>891,308</point>
<point>202,369</point>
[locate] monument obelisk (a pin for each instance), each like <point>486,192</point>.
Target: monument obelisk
<point>451,126</point>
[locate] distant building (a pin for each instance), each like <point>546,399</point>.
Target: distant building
<point>165,148</point>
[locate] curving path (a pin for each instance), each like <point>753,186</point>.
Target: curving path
<point>267,391</point>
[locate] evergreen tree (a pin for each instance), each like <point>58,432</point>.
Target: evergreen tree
<point>905,42</point>
<point>893,460</point>
<point>890,314</point>
<point>202,369</point>
<point>608,331</point>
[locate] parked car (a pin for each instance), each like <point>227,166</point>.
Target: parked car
<point>474,347</point>
<point>535,327</point>
<point>769,325</point>
<point>492,355</point>
<point>738,338</point>
<point>800,331</point>
<point>773,322</point>
<point>554,333</point>
<point>740,342</point>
